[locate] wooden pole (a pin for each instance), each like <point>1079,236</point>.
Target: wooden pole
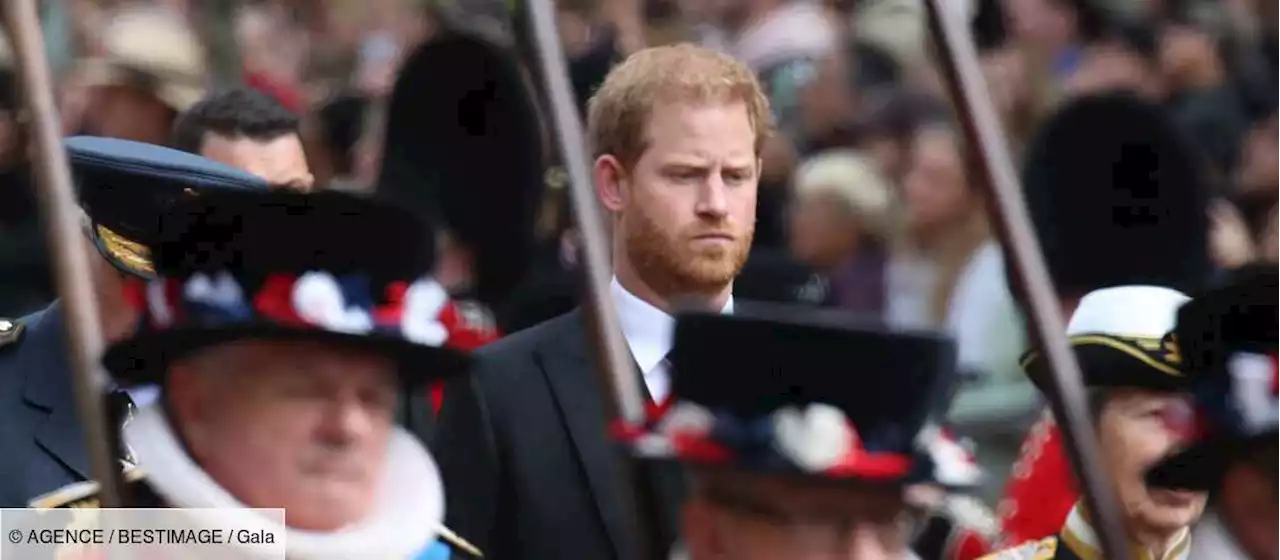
<point>60,215</point>
<point>981,125</point>
<point>616,367</point>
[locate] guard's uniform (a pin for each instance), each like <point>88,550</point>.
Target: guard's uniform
<point>273,266</point>
<point>1122,337</point>
<point>1078,541</point>
<point>779,404</point>
<point>470,325</point>
<point>122,187</point>
<point>958,526</point>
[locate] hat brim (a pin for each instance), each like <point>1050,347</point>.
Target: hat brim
<point>145,358</point>
<point>897,469</point>
<point>1107,363</point>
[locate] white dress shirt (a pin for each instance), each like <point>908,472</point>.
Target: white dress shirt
<point>648,332</point>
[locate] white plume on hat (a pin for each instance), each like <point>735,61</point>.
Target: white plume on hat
<point>1128,311</point>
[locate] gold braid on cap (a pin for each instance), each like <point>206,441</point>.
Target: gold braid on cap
<point>133,254</point>
<point>1161,354</point>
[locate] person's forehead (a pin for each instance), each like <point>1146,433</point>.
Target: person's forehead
<point>805,494</point>
<point>673,124</point>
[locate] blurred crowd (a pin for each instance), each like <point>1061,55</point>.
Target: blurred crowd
<point>867,203</point>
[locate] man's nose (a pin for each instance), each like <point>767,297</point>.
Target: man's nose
<point>712,198</point>
<point>347,419</point>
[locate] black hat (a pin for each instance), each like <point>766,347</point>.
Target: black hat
<point>463,143</point>
<point>124,186</point>
<point>1122,337</point>
<point>1229,338</point>
<point>329,266</point>
<point>1117,196</point>
<point>793,395</point>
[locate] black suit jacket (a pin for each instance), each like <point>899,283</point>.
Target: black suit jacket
<point>522,444</point>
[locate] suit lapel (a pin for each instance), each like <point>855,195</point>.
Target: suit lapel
<point>48,387</point>
<point>567,363</point>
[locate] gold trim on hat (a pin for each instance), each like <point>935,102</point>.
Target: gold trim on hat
<point>1161,354</point>
<point>133,254</point>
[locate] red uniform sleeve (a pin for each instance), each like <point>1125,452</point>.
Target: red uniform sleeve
<point>470,326</point>
<point>1041,489</point>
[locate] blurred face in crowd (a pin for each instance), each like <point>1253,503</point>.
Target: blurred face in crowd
<point>685,212</point>
<point>129,113</point>
<point>295,425</point>
<point>1044,25</point>
<point>281,160</point>
<point>935,188</point>
<point>1248,503</point>
<point>1138,428</point>
<point>824,230</point>
<point>827,101</point>
<point>739,516</point>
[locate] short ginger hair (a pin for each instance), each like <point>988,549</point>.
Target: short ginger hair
<point>618,113</point>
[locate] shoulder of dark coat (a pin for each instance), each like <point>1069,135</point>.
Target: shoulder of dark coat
<point>522,344</point>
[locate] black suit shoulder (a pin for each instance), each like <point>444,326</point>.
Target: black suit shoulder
<point>487,422</point>
<point>524,343</point>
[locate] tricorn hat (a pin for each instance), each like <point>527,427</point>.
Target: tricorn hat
<point>1229,338</point>
<point>125,186</point>
<point>329,267</point>
<point>1122,337</point>
<point>791,395</point>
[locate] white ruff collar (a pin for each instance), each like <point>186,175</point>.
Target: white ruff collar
<point>406,519</point>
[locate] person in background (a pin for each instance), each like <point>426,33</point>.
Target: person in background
<point>280,343</point>
<point>249,130</point>
<point>1137,388</point>
<point>1228,339</point>
<point>947,271</point>
<point>123,187</point>
<point>841,223</point>
<point>678,133</point>
<point>1143,221</point>
<point>148,68</point>
<point>787,456</point>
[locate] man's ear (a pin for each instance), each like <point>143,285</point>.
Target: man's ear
<point>609,179</point>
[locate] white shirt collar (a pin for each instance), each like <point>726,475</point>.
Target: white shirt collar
<point>648,330</point>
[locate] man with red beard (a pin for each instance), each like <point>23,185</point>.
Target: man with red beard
<point>677,133</point>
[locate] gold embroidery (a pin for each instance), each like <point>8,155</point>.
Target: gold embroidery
<point>132,253</point>
<point>1145,350</point>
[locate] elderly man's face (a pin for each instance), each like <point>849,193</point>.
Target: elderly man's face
<point>295,425</point>
<point>744,517</point>
<point>1137,429</point>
